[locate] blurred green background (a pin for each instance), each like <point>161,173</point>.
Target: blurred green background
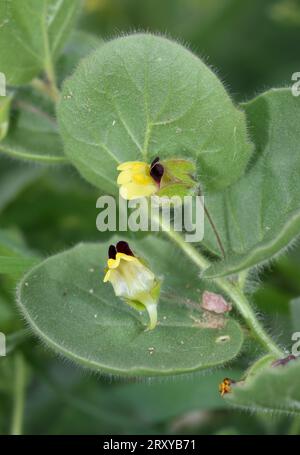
<point>252,45</point>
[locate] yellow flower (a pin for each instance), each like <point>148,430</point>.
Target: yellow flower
<point>138,179</point>
<point>5,105</point>
<point>225,386</point>
<point>172,177</point>
<point>132,281</point>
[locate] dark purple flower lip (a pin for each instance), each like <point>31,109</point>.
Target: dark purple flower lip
<point>121,247</point>
<point>156,170</point>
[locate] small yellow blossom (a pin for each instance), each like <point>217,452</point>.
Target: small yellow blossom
<point>132,281</point>
<point>135,180</point>
<point>225,386</point>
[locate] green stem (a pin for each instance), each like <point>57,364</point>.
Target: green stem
<point>243,306</point>
<point>45,88</point>
<point>232,291</point>
<point>19,395</point>
<point>48,62</point>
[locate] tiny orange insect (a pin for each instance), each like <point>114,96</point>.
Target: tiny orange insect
<point>225,386</point>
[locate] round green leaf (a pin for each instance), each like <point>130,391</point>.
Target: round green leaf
<point>67,304</point>
<point>142,96</point>
<point>260,214</point>
<point>32,33</point>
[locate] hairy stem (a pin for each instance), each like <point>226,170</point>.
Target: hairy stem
<point>219,241</point>
<point>45,88</point>
<point>19,395</point>
<point>232,291</point>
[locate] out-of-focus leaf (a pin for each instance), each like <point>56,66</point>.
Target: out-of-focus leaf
<point>90,402</point>
<point>7,314</point>
<point>272,390</point>
<point>15,259</point>
<point>14,265</point>
<point>33,133</point>
<point>6,374</point>
<point>64,211</point>
<point>273,302</point>
<point>31,34</point>
<point>259,215</point>
<point>158,401</point>
<point>79,46</point>
<point>295,314</point>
